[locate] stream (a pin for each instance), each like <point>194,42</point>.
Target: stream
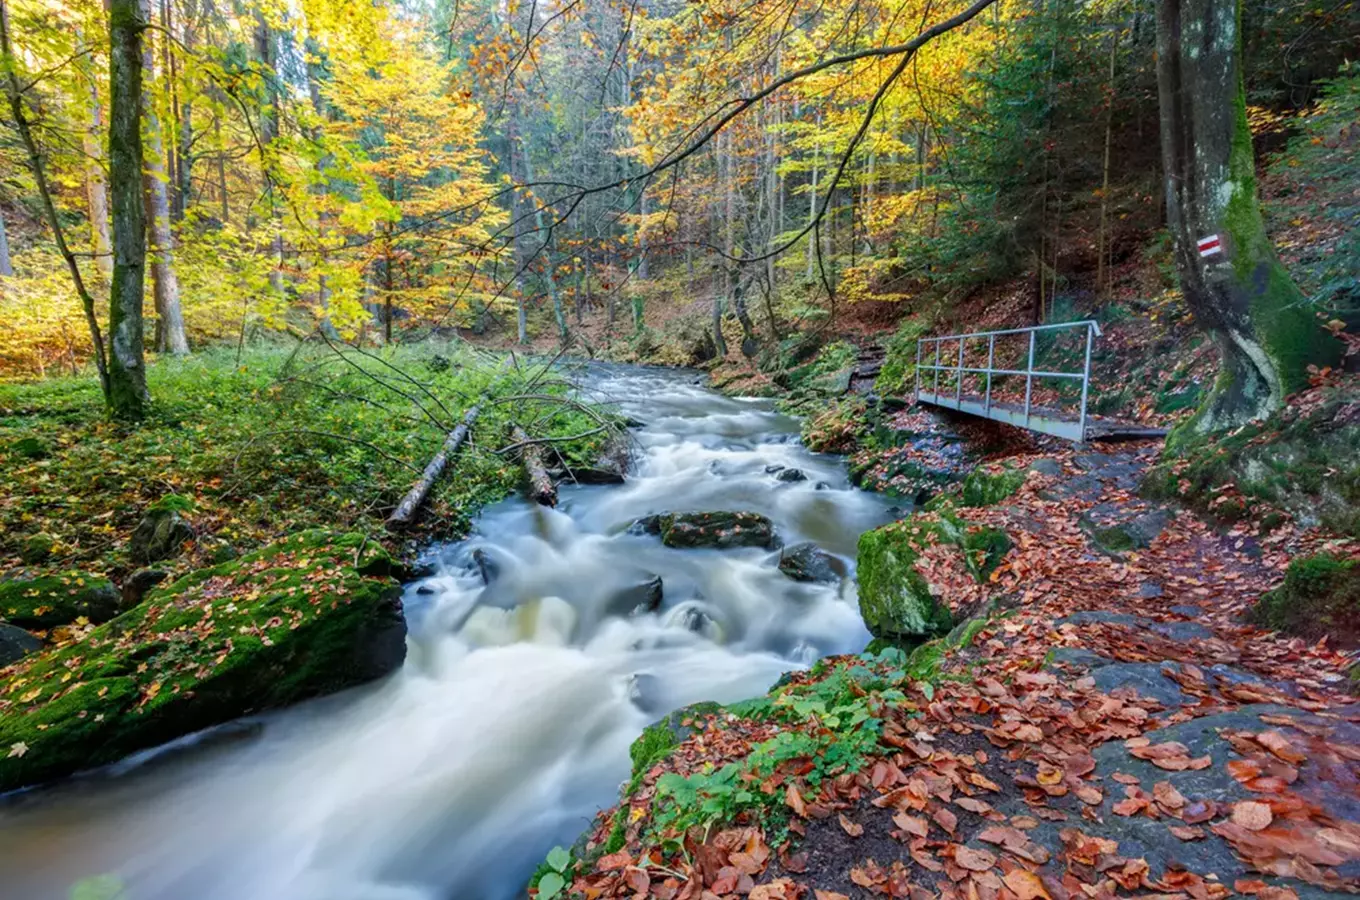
<point>509,725</point>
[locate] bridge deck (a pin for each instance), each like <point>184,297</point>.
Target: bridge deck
<point>1043,419</point>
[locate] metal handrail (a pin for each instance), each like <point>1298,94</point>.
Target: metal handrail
<point>959,369</point>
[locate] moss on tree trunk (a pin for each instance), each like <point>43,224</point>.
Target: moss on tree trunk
<point>1266,331</point>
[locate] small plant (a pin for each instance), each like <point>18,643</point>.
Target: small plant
<point>553,873</point>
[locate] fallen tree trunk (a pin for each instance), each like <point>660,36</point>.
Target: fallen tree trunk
<point>541,488</point>
<point>406,510</point>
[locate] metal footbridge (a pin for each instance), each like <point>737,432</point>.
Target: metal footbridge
<point>948,377</point>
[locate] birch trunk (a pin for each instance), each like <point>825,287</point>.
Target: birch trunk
<point>6,267</point>
<point>1266,332</point>
<point>169,317</point>
<point>96,191</point>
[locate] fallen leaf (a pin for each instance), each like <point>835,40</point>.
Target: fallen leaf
<point>1026,885</point>
<point>795,801</point>
<point>974,860</point>
<point>1187,832</point>
<point>1252,815</point>
<point>851,828</point>
<point>912,824</point>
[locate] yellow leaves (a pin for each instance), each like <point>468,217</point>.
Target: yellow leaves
<point>17,749</point>
<point>31,695</point>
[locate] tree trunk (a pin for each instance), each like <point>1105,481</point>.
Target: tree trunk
<point>184,156</point>
<point>6,267</point>
<point>127,394</point>
<point>269,131</point>
<point>1103,238</point>
<point>1266,332</point>
<point>96,191</point>
<point>165,285</point>
<point>541,488</point>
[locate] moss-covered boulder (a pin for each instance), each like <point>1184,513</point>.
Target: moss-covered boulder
<point>312,614</point>
<point>1320,597</point>
<point>57,599</point>
<point>895,600</point>
<point>713,530</point>
<point>1303,461</point>
<point>161,534</point>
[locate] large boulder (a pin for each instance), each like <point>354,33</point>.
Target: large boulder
<point>15,644</point>
<point>312,614</point>
<point>1320,597</point>
<point>713,530</point>
<point>58,599</point>
<point>161,534</point>
<point>895,600</point>
<point>808,562</point>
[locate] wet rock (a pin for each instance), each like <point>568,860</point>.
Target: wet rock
<point>822,486</point>
<point>1185,609</point>
<point>809,563</point>
<point>634,423</point>
<point>710,530</point>
<point>1149,590</point>
<point>161,534</point>
<point>1140,836</point>
<point>1117,529</point>
<point>1148,679</point>
<point>293,620</point>
<point>641,598</point>
<point>52,600</point>
<point>1081,487</point>
<point>644,691</point>
<point>485,565</point>
<point>1049,467</point>
<point>138,583</point>
<point>791,475</point>
<point>15,644</point>
<point>610,467</point>
<point>425,590</point>
<point>1086,617</point>
<point>1185,632</point>
<point>1076,656</point>
<point>694,618</point>
<point>773,469</point>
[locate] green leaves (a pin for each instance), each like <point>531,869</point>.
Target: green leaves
<point>554,873</point>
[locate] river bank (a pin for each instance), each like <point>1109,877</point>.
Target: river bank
<point>230,555</point>
<point>1101,720</point>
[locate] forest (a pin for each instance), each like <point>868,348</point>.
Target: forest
<point>508,449</point>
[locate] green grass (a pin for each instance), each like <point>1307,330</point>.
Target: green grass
<point>264,446</point>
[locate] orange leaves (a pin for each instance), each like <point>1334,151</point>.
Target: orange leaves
<point>1172,755</point>
<point>1251,815</point>
<point>795,801</point>
<point>974,860</point>
<point>850,828</point>
<point>1026,885</point>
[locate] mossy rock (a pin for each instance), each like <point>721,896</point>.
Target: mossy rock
<point>1302,462</point>
<point>58,599</point>
<point>1320,597</point>
<point>293,620</point>
<point>895,600</point>
<point>984,548</point>
<point>712,530</point>
<point>983,488</point>
<point>161,534</point>
<point>37,548</point>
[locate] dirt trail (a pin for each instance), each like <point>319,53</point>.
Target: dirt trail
<point>1118,732</point>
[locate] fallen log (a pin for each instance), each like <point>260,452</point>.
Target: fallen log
<point>406,510</point>
<point>541,488</point>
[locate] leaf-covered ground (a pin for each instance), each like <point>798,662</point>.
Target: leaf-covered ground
<point>259,446</point>
<point>1110,727</point>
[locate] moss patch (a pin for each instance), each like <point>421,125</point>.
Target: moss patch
<point>895,599</point>
<point>57,599</point>
<point>1320,597</point>
<point>1304,461</point>
<point>294,620</point>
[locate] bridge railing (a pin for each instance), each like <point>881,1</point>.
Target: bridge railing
<point>950,357</point>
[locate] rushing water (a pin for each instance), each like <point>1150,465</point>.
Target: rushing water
<point>509,725</point>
